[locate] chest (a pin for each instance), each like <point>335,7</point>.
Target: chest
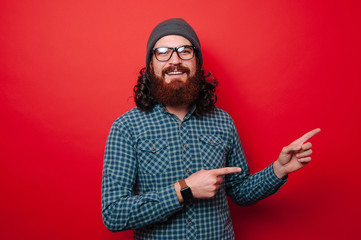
<point>169,152</point>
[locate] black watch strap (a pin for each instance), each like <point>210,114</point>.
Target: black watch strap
<point>185,191</point>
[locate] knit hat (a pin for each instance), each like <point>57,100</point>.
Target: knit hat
<point>173,26</point>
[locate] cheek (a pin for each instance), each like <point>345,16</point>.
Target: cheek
<point>157,69</point>
<point>192,68</point>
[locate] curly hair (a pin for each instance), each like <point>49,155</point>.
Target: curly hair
<point>205,102</point>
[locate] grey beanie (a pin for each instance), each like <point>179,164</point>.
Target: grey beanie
<point>173,26</point>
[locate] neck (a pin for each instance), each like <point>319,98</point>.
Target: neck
<point>179,111</point>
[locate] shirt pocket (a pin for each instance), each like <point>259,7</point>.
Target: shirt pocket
<point>153,156</point>
<point>213,151</point>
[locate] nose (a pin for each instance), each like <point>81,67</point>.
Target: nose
<point>174,59</point>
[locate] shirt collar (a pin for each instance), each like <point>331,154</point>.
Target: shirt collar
<point>161,108</point>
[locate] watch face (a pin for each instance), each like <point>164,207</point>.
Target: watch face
<point>187,194</point>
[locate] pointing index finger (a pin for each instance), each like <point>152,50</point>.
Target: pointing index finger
<point>226,170</point>
<point>307,136</point>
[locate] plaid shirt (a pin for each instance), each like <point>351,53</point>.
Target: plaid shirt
<point>146,153</point>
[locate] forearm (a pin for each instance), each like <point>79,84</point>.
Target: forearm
<point>250,189</point>
<point>134,211</point>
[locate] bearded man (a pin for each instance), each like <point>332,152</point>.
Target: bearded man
<point>171,161</point>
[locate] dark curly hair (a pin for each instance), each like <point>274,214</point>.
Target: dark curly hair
<point>205,103</point>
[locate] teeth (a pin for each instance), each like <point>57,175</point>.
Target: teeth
<point>174,73</point>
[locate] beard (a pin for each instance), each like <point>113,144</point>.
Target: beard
<point>177,92</point>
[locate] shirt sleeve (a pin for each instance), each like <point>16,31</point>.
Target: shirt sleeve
<point>245,188</point>
<point>122,207</point>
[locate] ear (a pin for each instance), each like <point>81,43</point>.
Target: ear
<point>150,65</point>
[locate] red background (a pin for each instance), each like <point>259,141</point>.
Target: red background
<point>67,69</point>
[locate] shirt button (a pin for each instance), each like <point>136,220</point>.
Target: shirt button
<point>212,142</point>
<point>153,148</point>
<point>190,223</point>
<point>188,171</point>
<point>182,123</point>
<point>185,145</point>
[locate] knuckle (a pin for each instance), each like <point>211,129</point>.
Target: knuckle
<point>214,182</point>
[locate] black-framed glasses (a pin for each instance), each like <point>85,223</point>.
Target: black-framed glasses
<point>163,54</point>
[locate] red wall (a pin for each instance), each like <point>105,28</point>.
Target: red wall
<point>67,69</point>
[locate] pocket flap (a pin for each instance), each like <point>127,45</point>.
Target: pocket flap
<point>152,145</point>
<point>211,140</point>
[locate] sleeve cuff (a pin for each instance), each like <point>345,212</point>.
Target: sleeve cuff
<point>169,200</point>
<point>272,182</point>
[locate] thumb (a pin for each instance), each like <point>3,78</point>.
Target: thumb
<point>291,148</point>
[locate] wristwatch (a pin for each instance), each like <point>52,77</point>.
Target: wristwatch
<point>185,191</point>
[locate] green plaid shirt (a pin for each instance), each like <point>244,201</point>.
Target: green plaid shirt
<point>146,153</point>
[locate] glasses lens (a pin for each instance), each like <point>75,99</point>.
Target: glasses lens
<point>163,53</point>
<point>186,52</point>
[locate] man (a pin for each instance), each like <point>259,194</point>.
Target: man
<point>170,162</point>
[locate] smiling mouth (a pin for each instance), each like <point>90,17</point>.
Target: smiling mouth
<point>174,73</point>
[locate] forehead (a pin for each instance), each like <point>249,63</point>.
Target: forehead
<point>172,41</point>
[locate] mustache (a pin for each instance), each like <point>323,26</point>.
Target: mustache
<point>176,68</point>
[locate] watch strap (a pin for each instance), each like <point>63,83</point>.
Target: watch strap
<point>185,191</point>
<point>183,184</point>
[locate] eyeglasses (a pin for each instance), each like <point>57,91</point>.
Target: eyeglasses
<point>163,54</point>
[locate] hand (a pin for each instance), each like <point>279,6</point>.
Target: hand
<point>294,156</point>
<point>205,183</point>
